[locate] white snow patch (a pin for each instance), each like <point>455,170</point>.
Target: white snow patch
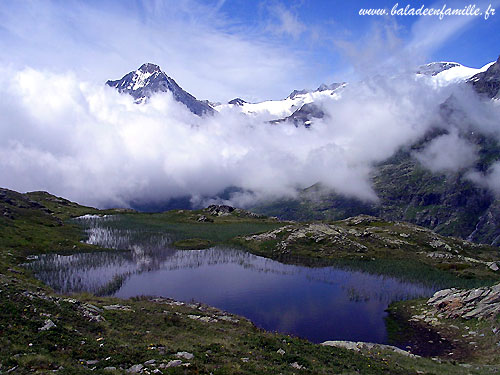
<point>277,109</point>
<point>140,80</point>
<point>454,75</point>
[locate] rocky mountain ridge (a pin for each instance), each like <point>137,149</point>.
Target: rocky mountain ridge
<point>322,87</point>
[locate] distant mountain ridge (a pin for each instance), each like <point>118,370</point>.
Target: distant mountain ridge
<point>322,87</point>
<point>149,79</point>
<point>299,102</point>
<point>297,108</point>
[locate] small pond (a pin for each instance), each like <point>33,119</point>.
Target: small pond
<point>319,304</point>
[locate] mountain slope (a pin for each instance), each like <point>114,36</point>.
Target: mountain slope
<point>445,73</point>
<point>149,79</point>
<point>449,203</point>
<point>488,82</point>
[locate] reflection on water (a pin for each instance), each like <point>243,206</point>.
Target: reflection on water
<point>316,303</point>
<point>100,232</point>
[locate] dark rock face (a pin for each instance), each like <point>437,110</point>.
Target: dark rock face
<point>488,83</point>
<point>488,227</point>
<point>332,86</point>
<point>150,79</point>
<point>447,203</point>
<point>435,68</point>
<point>237,101</point>
<point>309,111</point>
<point>295,93</point>
<point>303,115</point>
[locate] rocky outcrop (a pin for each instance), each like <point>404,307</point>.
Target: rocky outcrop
<point>225,210</point>
<point>49,324</point>
<point>204,219</point>
<point>363,233</point>
<point>11,200</point>
<point>480,303</point>
<point>319,234</point>
<point>361,345</point>
<point>88,311</point>
<point>219,209</point>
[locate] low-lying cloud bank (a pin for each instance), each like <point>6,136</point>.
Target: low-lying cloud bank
<point>95,146</point>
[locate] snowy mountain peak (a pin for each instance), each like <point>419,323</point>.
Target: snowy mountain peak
<point>296,93</point>
<point>444,73</point>
<point>150,68</point>
<point>237,101</point>
<point>321,88</point>
<point>434,68</point>
<point>149,79</point>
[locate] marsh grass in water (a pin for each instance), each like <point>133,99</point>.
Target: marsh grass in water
<point>411,270</point>
<point>176,226</point>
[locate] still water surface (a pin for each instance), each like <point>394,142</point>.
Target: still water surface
<point>319,304</point>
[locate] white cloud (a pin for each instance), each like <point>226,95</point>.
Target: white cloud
<point>448,153</point>
<point>284,21</point>
<point>63,131</point>
<point>430,33</point>
<point>88,143</point>
<point>489,180</point>
<point>381,51</point>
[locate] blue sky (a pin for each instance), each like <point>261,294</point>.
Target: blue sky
<point>253,49</point>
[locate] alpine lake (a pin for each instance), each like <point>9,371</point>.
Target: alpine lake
<point>317,303</point>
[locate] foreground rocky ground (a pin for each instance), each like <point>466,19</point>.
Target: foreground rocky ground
<point>464,323</point>
<point>42,332</point>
